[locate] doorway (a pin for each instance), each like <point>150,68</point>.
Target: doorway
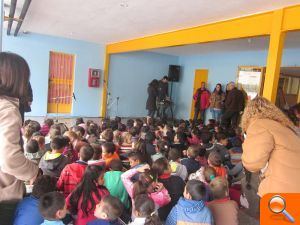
<point>201,75</point>
<point>61,76</point>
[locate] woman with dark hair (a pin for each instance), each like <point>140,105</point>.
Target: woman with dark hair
<point>151,101</point>
<point>14,167</point>
<point>217,102</point>
<point>89,192</point>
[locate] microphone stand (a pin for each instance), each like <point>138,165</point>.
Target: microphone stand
<point>57,98</point>
<point>105,86</point>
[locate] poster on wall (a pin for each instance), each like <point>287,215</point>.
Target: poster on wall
<point>250,79</point>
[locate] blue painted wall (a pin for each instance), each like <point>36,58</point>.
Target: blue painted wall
<point>129,75</point>
<point>35,49</point>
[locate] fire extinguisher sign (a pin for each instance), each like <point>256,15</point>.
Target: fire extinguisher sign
<point>94,77</point>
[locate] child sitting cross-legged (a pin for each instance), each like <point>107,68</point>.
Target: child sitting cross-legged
<point>96,160</point>
<point>160,148</point>
<point>32,151</point>
<point>136,160</point>
<point>176,167</point>
<point>114,184</point>
<point>53,162</point>
<point>145,211</point>
<point>89,192</point>
<point>191,208</point>
<point>27,211</point>
<point>224,210</point>
<point>215,161</point>
<point>109,153</point>
<point>72,173</point>
<point>145,185</point>
<point>174,185</point>
<point>205,175</point>
<point>53,208</point>
<point>191,164</point>
<point>107,211</point>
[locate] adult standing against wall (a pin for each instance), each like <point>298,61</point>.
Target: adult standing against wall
<point>217,102</point>
<point>234,104</point>
<point>201,98</point>
<point>14,167</point>
<point>163,96</point>
<point>271,147</point>
<point>152,95</point>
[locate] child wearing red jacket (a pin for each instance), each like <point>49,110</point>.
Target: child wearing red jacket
<point>72,173</point>
<point>89,192</point>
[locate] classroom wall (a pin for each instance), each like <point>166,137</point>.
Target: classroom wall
<point>129,75</point>
<point>35,49</point>
<point>222,68</point>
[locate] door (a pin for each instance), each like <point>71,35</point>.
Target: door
<point>61,76</point>
<point>200,76</point>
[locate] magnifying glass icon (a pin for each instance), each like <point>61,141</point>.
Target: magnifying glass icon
<point>277,205</point>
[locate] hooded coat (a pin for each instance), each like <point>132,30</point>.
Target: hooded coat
<point>53,163</point>
<point>189,212</point>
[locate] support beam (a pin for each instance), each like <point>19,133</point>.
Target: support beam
<point>291,19</point>
<point>105,85</point>
<point>12,10</point>
<point>222,30</point>
<point>277,38</point>
<point>22,16</point>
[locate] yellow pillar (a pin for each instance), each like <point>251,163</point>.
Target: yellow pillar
<point>105,85</point>
<point>276,44</point>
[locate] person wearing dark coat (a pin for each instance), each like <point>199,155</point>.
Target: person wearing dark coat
<point>152,95</point>
<point>163,96</point>
<point>234,104</point>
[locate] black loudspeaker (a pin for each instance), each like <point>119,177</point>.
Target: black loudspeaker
<point>174,73</point>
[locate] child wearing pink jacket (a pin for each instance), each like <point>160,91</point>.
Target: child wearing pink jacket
<point>145,185</point>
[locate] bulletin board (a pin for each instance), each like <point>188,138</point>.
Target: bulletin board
<point>251,80</point>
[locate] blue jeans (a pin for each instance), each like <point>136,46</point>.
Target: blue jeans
<point>216,114</point>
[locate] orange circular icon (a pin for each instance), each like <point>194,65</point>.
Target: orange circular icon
<point>277,204</point>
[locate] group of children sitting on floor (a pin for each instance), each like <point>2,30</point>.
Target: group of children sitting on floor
<point>142,172</point>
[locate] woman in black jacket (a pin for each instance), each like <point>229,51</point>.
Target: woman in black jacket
<point>152,94</point>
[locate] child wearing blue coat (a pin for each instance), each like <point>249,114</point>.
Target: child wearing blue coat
<point>27,212</point>
<point>191,209</point>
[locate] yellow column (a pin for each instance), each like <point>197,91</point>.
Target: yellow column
<point>274,56</point>
<point>105,85</point>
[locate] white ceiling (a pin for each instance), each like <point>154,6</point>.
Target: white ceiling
<point>108,21</point>
<point>246,44</point>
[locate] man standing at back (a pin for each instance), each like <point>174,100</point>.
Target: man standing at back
<point>234,104</point>
<point>163,96</point>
